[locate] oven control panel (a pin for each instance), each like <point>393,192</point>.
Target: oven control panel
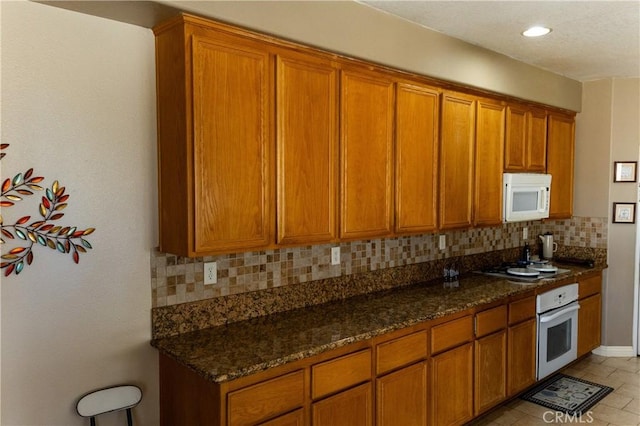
<point>557,297</point>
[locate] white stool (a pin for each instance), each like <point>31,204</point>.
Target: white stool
<point>107,400</point>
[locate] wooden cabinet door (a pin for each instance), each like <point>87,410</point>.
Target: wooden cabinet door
<point>490,371</point>
<point>536,159</point>
<point>515,148</point>
<point>456,160</point>
<point>307,174</point>
<point>487,206</point>
<point>417,109</point>
<point>589,324</point>
<point>521,356</point>
<point>366,155</point>
<point>401,397</point>
<point>560,155</point>
<point>232,151</point>
<point>352,407</point>
<point>451,390</point>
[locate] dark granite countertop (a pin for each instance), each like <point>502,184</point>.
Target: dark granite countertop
<point>227,352</point>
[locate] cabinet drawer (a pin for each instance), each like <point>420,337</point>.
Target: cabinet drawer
<point>590,286</point>
<point>401,351</point>
<point>491,320</point>
<point>522,310</point>
<point>340,373</point>
<point>267,399</point>
<point>451,334</point>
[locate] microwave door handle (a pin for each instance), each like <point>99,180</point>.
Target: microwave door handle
<point>558,314</point>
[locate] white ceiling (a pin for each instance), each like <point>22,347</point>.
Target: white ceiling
<point>590,40</point>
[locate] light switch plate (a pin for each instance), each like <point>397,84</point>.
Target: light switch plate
<point>525,233</point>
<point>443,242</point>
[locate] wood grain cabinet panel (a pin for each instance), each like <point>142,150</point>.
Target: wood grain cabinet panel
<point>526,140</point>
<point>417,114</point>
<point>457,137</point>
<point>401,351</point>
<point>352,407</point>
<point>515,148</point>
<point>490,371</point>
<point>340,373</point>
<point>307,173</point>
<point>491,320</point>
<point>521,356</point>
<point>560,157</point>
<point>521,310</point>
<point>401,397</point>
<point>366,155</point>
<point>215,144</point>
<point>451,392</point>
<point>536,160</point>
<point>267,399</point>
<point>590,313</point>
<point>451,334</point>
<point>489,152</point>
<point>589,324</point>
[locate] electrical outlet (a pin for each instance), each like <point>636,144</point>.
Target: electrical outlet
<point>525,233</point>
<point>335,255</point>
<point>210,273</point>
<point>443,242</point>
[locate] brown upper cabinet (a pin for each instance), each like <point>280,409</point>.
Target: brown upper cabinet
<point>560,155</point>
<point>214,141</point>
<point>265,143</point>
<point>487,203</point>
<point>457,137</point>
<point>417,112</point>
<point>366,112</point>
<point>307,149</point>
<point>525,147</point>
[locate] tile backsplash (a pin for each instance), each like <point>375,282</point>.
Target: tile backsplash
<point>176,279</point>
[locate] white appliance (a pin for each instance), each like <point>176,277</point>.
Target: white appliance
<point>557,329</point>
<point>526,196</point>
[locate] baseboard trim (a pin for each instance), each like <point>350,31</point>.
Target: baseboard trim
<point>615,351</point>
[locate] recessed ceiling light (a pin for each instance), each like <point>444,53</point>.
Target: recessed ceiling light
<point>536,31</point>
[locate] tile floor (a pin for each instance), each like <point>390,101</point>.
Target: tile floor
<point>620,408</point>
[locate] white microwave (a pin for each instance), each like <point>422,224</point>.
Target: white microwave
<point>526,196</point>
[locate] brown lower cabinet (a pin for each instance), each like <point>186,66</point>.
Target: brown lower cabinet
<point>401,397</point>
<point>521,345</point>
<point>490,357</point>
<point>590,313</point>
<point>441,372</point>
<point>349,408</point>
<point>452,386</point>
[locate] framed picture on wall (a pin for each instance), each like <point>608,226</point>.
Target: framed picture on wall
<point>625,171</point>
<point>624,213</point>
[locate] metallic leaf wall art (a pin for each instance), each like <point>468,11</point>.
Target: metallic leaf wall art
<point>19,239</point>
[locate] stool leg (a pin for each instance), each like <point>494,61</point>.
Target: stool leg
<point>93,421</point>
<point>129,421</point>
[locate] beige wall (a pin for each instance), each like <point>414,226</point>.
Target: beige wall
<point>625,144</point>
<point>357,30</point>
<point>593,151</point>
<point>78,105</point>
<point>607,130</point>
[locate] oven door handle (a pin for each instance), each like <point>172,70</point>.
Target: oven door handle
<point>560,313</point>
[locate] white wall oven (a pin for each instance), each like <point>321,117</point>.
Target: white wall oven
<point>557,329</point>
